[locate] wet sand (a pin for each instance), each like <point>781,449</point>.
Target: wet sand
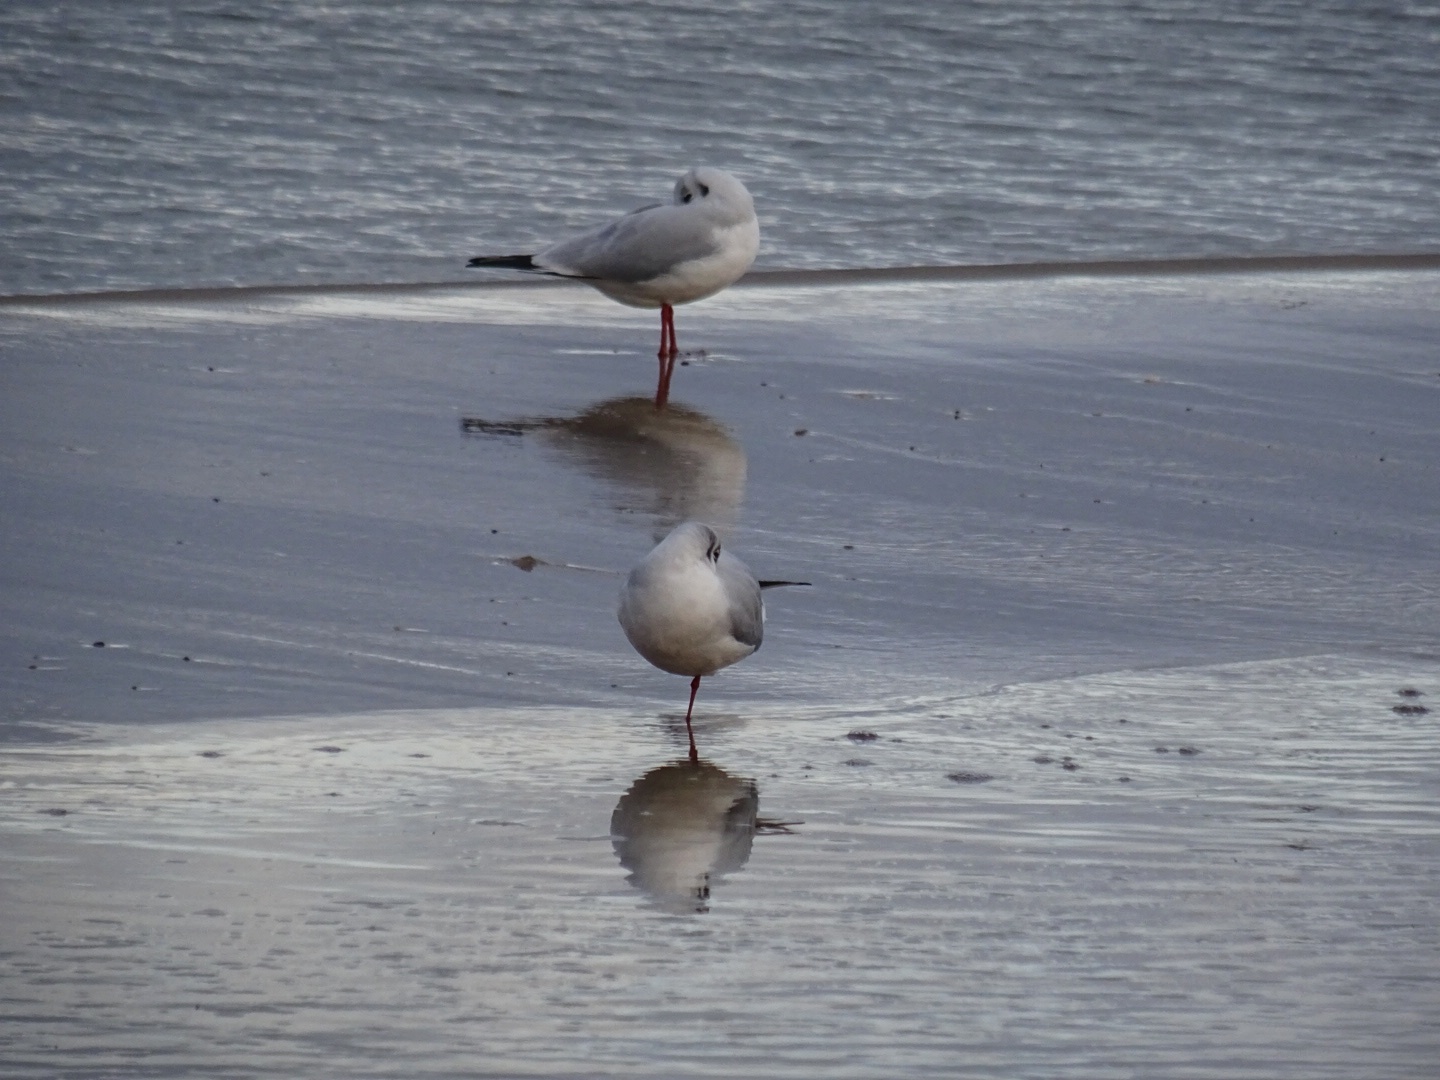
<point>1086,755</point>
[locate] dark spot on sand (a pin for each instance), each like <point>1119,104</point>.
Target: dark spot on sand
<point>525,562</point>
<point>55,812</point>
<point>964,777</point>
<point>98,645</point>
<point>862,736</point>
<point>474,425</point>
<point>859,762</point>
<point>1122,779</point>
<point>1188,751</point>
<point>1162,749</point>
<point>1305,808</point>
<point>802,431</point>
<point>1299,845</point>
<point>1409,691</point>
<point>419,755</point>
<point>1409,710</point>
<point>1069,764</point>
<point>1042,759</point>
<point>848,547</point>
<point>211,753</point>
<point>330,749</point>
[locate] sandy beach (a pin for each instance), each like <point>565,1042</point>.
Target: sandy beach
<point>1102,745</point>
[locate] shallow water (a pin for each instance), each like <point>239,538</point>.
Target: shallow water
<point>1125,576</point>
<point>1223,871</point>
<point>150,144</point>
<point>1032,479</point>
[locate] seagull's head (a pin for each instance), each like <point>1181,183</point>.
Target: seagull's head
<point>693,540</point>
<point>717,191</point>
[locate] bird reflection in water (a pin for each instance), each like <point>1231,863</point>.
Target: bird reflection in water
<point>682,827</point>
<point>673,464</point>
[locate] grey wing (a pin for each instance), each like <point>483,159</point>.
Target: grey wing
<point>747,609</point>
<point>641,245</point>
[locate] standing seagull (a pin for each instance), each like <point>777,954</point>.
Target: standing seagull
<point>661,254</point>
<point>691,609</point>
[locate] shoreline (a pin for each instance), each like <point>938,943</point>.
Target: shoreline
<point>1167,267</point>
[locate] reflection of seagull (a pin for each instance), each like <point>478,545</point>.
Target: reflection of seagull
<point>660,255</point>
<point>681,827</point>
<point>691,609</point>
<point>673,464</point>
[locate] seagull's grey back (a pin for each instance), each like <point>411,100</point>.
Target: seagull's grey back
<point>747,607</point>
<point>640,246</point>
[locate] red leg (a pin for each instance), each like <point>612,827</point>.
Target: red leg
<point>667,313</point>
<point>694,689</point>
<point>668,352</point>
<point>668,348</point>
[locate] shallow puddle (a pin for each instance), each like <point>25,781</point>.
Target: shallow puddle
<point>1238,856</point>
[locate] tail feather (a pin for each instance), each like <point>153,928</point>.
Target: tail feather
<point>505,262</point>
<point>778,584</point>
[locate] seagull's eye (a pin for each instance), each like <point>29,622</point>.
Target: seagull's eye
<point>686,197</point>
<point>704,190</point>
<point>715,553</point>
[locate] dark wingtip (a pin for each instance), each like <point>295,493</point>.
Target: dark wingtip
<point>777,584</point>
<point>505,262</point>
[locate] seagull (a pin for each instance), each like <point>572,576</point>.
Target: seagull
<point>691,608</point>
<point>660,255</point>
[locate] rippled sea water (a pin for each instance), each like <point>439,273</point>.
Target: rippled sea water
<point>156,144</point>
